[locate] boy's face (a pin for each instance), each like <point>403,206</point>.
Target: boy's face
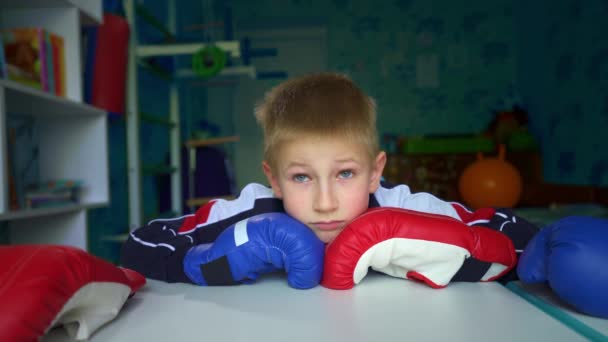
<point>325,183</point>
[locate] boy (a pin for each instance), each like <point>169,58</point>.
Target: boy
<point>324,165</point>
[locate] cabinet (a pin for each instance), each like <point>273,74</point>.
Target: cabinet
<point>72,136</point>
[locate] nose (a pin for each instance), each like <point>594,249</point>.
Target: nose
<point>325,199</point>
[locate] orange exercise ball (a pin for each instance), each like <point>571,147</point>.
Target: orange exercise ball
<point>490,182</point>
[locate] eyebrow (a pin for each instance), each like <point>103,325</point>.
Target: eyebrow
<point>295,164</point>
<point>341,161</point>
<point>348,160</point>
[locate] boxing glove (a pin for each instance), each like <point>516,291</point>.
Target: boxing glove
<point>571,255</point>
<point>435,249</point>
<point>261,244</point>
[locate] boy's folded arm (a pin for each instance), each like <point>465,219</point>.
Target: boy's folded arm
<point>156,256</point>
<point>504,220</point>
<point>157,250</point>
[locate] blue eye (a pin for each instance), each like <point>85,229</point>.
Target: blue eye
<point>346,174</point>
<point>300,178</point>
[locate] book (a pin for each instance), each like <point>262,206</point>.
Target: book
<point>50,70</point>
<point>53,193</point>
<point>2,60</point>
<point>12,189</point>
<point>58,52</point>
<point>26,56</point>
<point>23,151</point>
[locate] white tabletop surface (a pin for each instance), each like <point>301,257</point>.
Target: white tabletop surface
<point>380,308</point>
<point>543,292</point>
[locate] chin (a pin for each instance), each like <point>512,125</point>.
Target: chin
<point>327,237</point>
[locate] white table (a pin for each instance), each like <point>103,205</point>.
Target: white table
<point>544,298</point>
<point>380,308</point>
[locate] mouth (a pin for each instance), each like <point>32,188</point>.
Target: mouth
<point>328,225</point>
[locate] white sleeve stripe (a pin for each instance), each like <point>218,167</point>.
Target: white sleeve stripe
<point>170,229</point>
<point>240,233</point>
<point>167,245</point>
<point>503,225</point>
<point>246,201</point>
<point>169,219</point>
<point>478,222</point>
<point>150,244</point>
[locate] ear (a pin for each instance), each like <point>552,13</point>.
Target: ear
<point>377,169</point>
<point>274,183</point>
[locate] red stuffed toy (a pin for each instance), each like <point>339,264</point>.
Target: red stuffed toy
<point>44,286</point>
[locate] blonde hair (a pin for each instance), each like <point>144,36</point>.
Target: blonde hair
<point>317,105</point>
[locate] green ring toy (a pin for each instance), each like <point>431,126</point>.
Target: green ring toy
<point>208,61</point>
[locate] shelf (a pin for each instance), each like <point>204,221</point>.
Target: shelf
<point>156,119</point>
<point>69,133</point>
<point>211,141</point>
<point>24,100</point>
<point>228,71</point>
<point>233,47</point>
<point>40,212</point>
<point>120,238</point>
<point>90,11</point>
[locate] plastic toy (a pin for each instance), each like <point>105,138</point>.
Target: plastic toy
<point>490,182</point>
<point>209,61</point>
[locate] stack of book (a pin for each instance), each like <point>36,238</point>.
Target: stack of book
<point>53,194</point>
<point>35,57</point>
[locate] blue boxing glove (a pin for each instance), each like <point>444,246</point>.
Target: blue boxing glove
<point>261,244</point>
<point>571,255</point>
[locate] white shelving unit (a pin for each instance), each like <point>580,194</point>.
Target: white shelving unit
<point>73,140</point>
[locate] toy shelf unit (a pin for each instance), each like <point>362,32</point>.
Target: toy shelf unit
<point>70,139</point>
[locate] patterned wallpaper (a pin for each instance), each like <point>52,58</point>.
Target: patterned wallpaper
<point>563,74</point>
<point>436,67</point>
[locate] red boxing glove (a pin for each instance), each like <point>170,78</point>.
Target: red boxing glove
<point>435,249</point>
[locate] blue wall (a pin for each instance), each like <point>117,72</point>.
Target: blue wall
<point>562,71</point>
